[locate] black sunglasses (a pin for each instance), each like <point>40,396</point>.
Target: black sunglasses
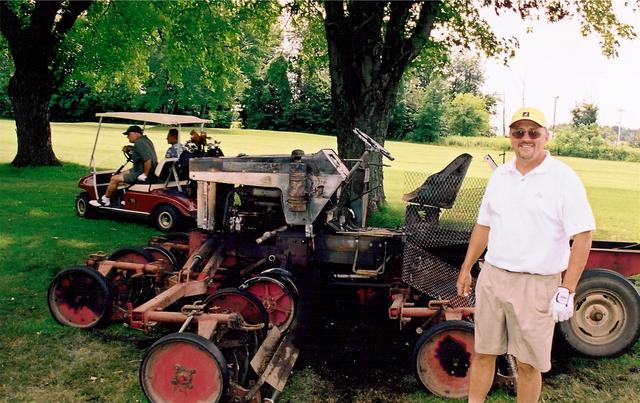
<point>533,133</point>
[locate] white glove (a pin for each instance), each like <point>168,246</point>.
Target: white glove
<point>561,306</point>
<point>142,177</point>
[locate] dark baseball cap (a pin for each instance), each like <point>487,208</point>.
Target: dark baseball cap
<point>135,129</point>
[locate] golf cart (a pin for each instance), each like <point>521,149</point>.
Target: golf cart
<point>166,199</point>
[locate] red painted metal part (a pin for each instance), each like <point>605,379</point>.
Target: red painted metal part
<point>404,311</point>
<point>275,298</point>
<point>79,299</point>
<point>623,261</point>
<point>184,372</point>
<point>139,316</point>
<point>443,363</point>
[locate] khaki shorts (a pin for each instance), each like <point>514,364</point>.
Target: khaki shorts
<point>512,315</point>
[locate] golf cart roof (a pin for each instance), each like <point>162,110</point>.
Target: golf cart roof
<point>159,118</point>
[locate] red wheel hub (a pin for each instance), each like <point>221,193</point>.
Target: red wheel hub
<point>182,371</point>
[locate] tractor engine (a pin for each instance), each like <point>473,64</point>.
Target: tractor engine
<point>252,210</point>
<point>264,193</point>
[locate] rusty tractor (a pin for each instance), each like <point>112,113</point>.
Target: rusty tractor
<point>233,286</point>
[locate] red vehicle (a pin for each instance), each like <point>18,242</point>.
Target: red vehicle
<point>167,202</point>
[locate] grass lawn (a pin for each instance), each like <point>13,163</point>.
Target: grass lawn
<point>40,234</point>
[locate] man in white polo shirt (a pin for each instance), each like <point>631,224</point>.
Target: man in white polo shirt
<point>531,208</point>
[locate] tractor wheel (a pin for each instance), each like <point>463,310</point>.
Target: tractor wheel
<point>183,367</point>
<point>83,208</point>
<point>166,218</point>
<point>132,255</point>
<point>276,298</point>
<point>169,259</point>
<point>181,238</point>
<point>237,346</point>
<point>125,288</point>
<point>442,357</point>
<point>80,297</point>
<point>286,278</point>
<point>606,321</point>
<point>232,300</point>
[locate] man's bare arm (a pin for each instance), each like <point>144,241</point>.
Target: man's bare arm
<point>477,245</point>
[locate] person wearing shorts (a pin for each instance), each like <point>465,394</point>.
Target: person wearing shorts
<point>532,207</point>
<point>144,159</point>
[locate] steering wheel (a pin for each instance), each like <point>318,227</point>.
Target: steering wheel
<point>127,150</point>
<point>371,143</point>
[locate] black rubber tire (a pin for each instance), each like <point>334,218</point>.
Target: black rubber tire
<point>164,253</point>
<point>166,218</point>
<point>607,303</point>
<point>286,277</point>
<point>200,343</point>
<point>457,363</point>
<point>82,206</point>
<point>92,291</point>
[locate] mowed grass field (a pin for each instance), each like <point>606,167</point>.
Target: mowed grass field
<point>42,361</point>
<point>613,187</point>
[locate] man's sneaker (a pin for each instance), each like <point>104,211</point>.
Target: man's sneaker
<point>103,201</point>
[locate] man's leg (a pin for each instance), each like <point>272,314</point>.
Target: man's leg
<point>481,375</point>
<point>113,184</point>
<point>529,383</point>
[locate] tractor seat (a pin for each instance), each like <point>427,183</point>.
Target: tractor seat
<point>441,189</point>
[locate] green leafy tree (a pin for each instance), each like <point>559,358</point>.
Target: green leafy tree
<point>371,45</point>
<point>584,114</point>
<point>268,100</point>
<point>467,116</point>
<point>464,74</point>
<point>430,118</point>
<point>174,55</point>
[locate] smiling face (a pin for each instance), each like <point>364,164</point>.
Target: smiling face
<point>529,150</point>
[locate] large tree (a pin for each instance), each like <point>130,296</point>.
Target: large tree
<point>178,54</point>
<point>35,32</point>
<point>372,43</point>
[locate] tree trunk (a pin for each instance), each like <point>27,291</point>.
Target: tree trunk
<point>30,100</point>
<point>368,54</point>
<point>34,44</point>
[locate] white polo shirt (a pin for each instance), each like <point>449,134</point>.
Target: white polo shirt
<point>531,217</point>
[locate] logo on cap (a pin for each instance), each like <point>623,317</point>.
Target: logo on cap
<point>525,114</point>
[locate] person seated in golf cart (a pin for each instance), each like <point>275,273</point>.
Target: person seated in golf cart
<point>175,147</point>
<point>143,157</point>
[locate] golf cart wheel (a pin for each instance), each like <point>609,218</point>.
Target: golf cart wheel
<point>183,367</point>
<point>166,218</point>
<point>606,321</point>
<point>79,297</point>
<point>170,262</point>
<point>276,298</point>
<point>442,357</point>
<point>83,208</point>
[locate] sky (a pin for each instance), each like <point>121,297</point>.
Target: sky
<point>554,60</point>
